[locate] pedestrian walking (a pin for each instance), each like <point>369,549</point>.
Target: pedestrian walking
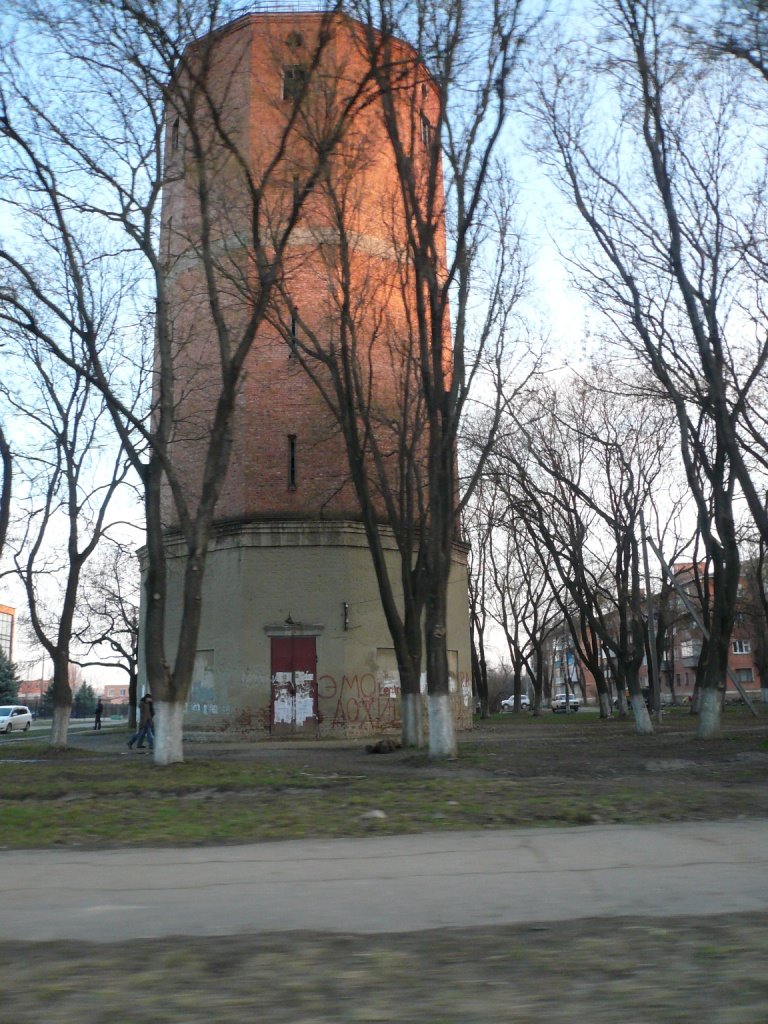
<point>145,730</point>
<point>97,714</point>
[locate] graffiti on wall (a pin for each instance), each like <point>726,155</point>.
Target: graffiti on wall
<point>208,709</point>
<point>359,700</point>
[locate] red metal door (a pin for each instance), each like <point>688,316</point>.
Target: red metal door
<point>293,707</point>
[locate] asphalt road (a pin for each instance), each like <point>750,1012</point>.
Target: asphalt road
<point>385,884</point>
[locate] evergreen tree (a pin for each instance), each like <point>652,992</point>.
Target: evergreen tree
<point>84,702</point>
<point>9,680</point>
<point>46,702</point>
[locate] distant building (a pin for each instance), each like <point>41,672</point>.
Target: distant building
<point>31,691</point>
<point>7,629</point>
<point>682,649</point>
<point>115,693</point>
<point>685,641</point>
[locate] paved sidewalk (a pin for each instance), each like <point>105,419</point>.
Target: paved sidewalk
<point>386,884</point>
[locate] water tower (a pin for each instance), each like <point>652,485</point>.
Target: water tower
<point>293,637</point>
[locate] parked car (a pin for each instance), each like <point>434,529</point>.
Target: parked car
<point>562,702</point>
<point>509,703</point>
<point>15,718</point>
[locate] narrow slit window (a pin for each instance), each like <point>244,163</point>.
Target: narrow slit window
<point>175,135</point>
<point>294,328</point>
<point>426,131</point>
<point>292,462</point>
<point>294,80</point>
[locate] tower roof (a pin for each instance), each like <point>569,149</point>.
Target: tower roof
<point>287,7</point>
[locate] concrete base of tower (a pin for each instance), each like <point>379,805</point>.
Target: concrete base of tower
<point>293,639</point>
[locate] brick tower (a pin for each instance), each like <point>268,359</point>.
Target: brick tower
<point>293,637</point>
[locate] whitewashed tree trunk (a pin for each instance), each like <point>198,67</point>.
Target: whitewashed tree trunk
<point>442,735</point>
<point>605,705</point>
<point>59,727</point>
<point>169,732</point>
<point>710,704</point>
<point>643,723</point>
<point>764,694</point>
<point>410,714</point>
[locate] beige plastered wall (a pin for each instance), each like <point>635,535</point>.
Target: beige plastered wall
<point>279,578</point>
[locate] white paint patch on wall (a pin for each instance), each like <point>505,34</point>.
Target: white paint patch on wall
<point>466,691</point>
<point>453,671</point>
<point>283,699</point>
<point>305,703</point>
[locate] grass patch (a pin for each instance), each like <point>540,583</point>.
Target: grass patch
<point>186,806</point>
<point>513,771</point>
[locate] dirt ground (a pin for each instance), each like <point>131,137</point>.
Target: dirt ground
<point>581,748</point>
<point>693,970</point>
<point>709,970</point>
<point>598,768</point>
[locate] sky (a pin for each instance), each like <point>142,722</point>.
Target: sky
<point>554,308</point>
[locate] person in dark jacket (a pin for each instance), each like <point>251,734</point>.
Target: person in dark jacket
<point>145,730</point>
<point>97,714</point>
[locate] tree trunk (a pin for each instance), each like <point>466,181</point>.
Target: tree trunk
<point>5,488</point>
<point>621,690</point>
<point>60,726</point>
<point>538,681</point>
<point>62,701</point>
<point>442,736</point>
<point>643,723</point>
<point>411,719</point>
<point>479,672</point>
<point>710,703</point>
<point>169,732</point>
<point>726,570</point>
<point>605,704</point>
<point>133,703</point>
<point>695,699</point>
<point>517,682</point>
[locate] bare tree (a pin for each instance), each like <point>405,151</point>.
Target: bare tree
<point>521,602</point>
<point>478,528</point>
<point>443,99</point>
<point>160,105</point>
<point>507,582</point>
<point>107,625</point>
<point>740,29</point>
<point>579,463</point>
<point>539,466</point>
<point>669,203</point>
<point>72,469</point>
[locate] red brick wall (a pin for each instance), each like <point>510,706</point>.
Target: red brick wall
<point>276,399</point>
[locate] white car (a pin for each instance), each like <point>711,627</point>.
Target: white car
<point>509,703</point>
<point>562,702</point>
<point>15,718</point>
